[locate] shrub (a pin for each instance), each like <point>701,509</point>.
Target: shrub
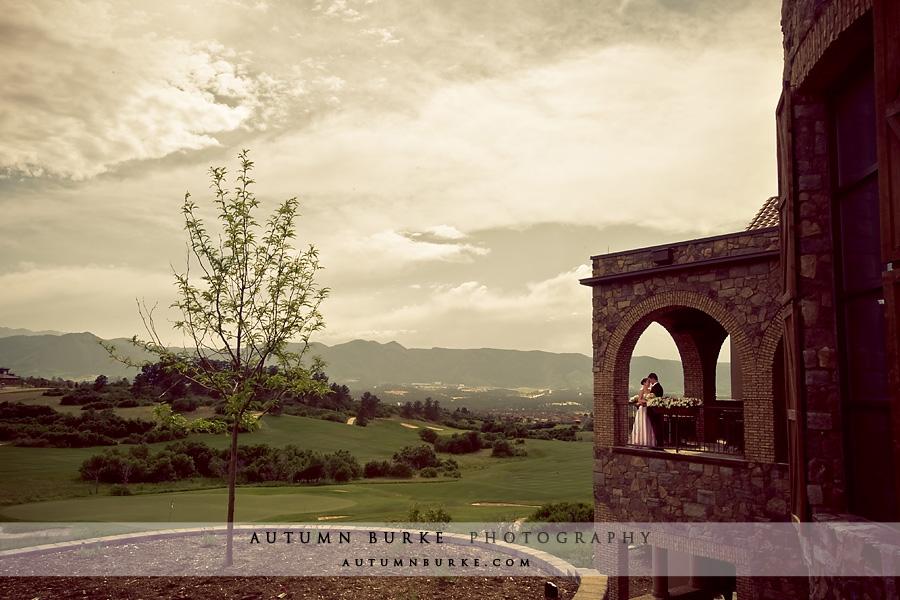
<point>401,470</point>
<point>428,473</point>
<point>428,435</point>
<point>503,449</point>
<point>435,514</point>
<point>417,457</point>
<point>464,443</point>
<point>119,490</point>
<point>376,468</point>
<point>186,404</point>
<point>102,405</point>
<point>564,512</point>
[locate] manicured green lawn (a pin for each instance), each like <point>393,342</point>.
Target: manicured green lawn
<point>553,471</point>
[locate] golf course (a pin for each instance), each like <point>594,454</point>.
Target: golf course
<point>42,484</point>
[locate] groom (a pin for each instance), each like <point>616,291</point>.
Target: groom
<point>653,413</point>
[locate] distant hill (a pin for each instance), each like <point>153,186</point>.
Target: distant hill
<point>77,356</point>
<point>359,364</point>
<point>8,332</point>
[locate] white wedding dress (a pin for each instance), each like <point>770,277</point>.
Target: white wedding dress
<point>642,431</point>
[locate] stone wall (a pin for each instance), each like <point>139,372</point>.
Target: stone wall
<point>727,285</point>
<point>701,291</point>
<point>634,487</point>
<point>815,298</point>
<point>810,27</point>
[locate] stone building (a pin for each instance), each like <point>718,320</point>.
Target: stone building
<point>809,297</point>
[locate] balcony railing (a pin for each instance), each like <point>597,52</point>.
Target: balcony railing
<point>716,428</point>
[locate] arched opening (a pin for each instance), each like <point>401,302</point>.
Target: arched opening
<point>717,425</point>
<point>728,374</point>
<point>656,352</point>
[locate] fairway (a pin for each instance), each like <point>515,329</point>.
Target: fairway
<point>553,471</point>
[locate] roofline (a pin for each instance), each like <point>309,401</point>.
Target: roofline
<point>713,238</point>
<point>747,257</point>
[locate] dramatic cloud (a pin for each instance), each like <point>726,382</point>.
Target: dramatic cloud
<point>454,161</point>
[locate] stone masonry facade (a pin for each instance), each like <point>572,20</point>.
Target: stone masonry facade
<point>701,292</point>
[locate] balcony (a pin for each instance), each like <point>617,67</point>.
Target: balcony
<point>715,428</point>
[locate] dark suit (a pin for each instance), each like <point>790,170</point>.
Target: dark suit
<point>655,416</point>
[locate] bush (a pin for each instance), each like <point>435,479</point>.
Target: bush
<point>376,468</point>
<point>428,473</point>
<point>28,424</point>
<point>401,470</point>
<point>564,512</point>
<point>187,459</point>
<point>435,514</point>
<point>417,457</point>
<point>119,490</point>
<point>333,416</point>
<point>186,404</point>
<point>464,443</point>
<point>102,405</point>
<point>503,449</point>
<point>428,435</point>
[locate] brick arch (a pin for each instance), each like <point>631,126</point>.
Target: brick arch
<point>612,377</point>
<point>759,409</point>
<point>765,356</point>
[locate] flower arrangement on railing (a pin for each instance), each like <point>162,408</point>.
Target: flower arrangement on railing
<point>667,401</point>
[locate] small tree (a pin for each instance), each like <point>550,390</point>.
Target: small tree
<point>244,296</point>
<point>101,382</point>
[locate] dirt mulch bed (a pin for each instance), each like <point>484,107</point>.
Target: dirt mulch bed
<point>281,588</point>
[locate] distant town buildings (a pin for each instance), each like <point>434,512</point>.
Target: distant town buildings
<point>9,379</point>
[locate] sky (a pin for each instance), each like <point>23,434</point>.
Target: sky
<point>457,163</point>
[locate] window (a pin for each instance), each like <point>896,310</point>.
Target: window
<point>861,318</point>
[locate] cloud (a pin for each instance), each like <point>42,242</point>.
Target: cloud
<point>552,314</point>
<point>407,247</point>
<point>68,297</point>
<point>621,134</point>
<point>384,35</point>
<point>426,169</point>
<point>88,92</point>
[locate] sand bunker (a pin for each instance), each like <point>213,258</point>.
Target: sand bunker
<point>505,504</point>
<point>410,426</point>
<point>331,517</point>
<point>351,421</point>
<point>436,428</point>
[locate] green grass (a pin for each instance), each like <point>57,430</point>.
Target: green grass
<point>39,484</point>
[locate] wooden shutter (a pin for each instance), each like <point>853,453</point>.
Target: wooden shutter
<point>785,191</point>
<point>886,21</point>
<point>796,419</point>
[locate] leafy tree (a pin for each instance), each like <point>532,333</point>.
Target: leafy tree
<point>368,405</point>
<point>100,382</point>
<point>417,457</point>
<point>432,410</point>
<point>245,293</point>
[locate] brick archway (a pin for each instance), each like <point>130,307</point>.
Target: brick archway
<point>715,323</point>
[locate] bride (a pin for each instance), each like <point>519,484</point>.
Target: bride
<point>642,431</point>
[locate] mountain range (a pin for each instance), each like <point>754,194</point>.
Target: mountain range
<point>359,363</point>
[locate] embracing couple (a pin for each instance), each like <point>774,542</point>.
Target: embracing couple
<point>646,430</point>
